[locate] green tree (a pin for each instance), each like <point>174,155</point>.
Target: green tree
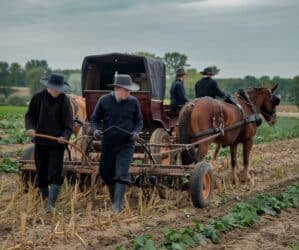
<point>33,77</point>
<point>192,76</point>
<point>265,81</point>
<point>147,54</point>
<point>36,64</point>
<point>295,89</point>
<point>67,72</point>
<point>230,85</point>
<point>174,61</point>
<point>4,74</point>
<point>75,81</point>
<point>17,76</point>
<point>250,82</point>
<point>6,91</point>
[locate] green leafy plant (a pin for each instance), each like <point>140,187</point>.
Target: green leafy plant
<point>144,242</point>
<point>243,214</point>
<point>8,165</point>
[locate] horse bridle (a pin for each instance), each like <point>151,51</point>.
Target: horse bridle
<point>275,101</point>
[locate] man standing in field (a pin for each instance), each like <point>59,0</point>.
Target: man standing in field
<point>208,86</point>
<point>50,113</point>
<point>122,123</point>
<point>177,92</point>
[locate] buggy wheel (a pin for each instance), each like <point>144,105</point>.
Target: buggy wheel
<point>202,185</point>
<point>160,135</point>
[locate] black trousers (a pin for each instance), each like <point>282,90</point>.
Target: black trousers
<point>49,164</point>
<point>115,163</point>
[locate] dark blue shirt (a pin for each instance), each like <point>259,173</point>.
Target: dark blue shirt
<point>177,94</point>
<point>207,87</point>
<point>125,114</point>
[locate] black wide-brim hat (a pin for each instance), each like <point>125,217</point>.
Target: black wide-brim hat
<point>125,82</point>
<point>56,82</point>
<point>180,72</point>
<point>211,71</point>
<point>208,71</point>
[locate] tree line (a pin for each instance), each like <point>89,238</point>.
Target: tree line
<point>14,75</point>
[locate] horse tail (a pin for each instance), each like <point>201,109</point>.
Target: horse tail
<point>188,156</point>
<point>184,124</point>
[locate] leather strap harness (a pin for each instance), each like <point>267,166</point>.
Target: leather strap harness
<point>245,120</point>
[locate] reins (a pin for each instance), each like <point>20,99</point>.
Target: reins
<point>53,138</point>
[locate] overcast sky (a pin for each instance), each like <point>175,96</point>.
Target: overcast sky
<point>241,37</point>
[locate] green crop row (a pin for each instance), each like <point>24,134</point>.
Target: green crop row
<point>243,214</point>
<point>285,128</point>
<point>8,165</point>
<point>12,130</point>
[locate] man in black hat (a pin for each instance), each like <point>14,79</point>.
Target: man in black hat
<point>121,110</point>
<point>50,113</point>
<point>208,86</point>
<point>177,92</point>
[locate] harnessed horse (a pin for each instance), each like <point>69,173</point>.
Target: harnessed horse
<point>236,124</point>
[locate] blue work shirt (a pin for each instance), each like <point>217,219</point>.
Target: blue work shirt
<point>177,95</point>
<point>125,114</point>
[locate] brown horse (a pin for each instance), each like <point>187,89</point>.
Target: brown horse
<point>79,112</point>
<point>206,116</point>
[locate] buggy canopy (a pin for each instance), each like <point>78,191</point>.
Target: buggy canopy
<point>98,71</point>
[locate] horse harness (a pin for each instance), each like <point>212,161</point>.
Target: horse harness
<point>245,120</point>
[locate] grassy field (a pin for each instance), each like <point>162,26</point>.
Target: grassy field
<point>12,127</point>
<point>285,128</point>
<point>12,110</point>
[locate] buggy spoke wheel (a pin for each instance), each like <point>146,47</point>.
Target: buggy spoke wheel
<point>160,135</point>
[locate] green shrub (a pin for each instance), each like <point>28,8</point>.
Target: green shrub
<point>17,100</point>
<point>2,100</point>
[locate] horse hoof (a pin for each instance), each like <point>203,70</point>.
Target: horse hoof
<point>238,171</point>
<point>247,177</point>
<point>252,182</point>
<point>235,179</point>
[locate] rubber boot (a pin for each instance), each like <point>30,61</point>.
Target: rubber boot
<point>119,194</point>
<point>44,191</point>
<point>53,193</point>
<point>111,189</point>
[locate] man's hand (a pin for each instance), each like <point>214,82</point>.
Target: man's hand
<point>31,132</point>
<point>97,134</point>
<point>61,140</point>
<point>135,137</point>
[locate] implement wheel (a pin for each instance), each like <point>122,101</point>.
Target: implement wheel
<point>160,135</point>
<point>202,185</point>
